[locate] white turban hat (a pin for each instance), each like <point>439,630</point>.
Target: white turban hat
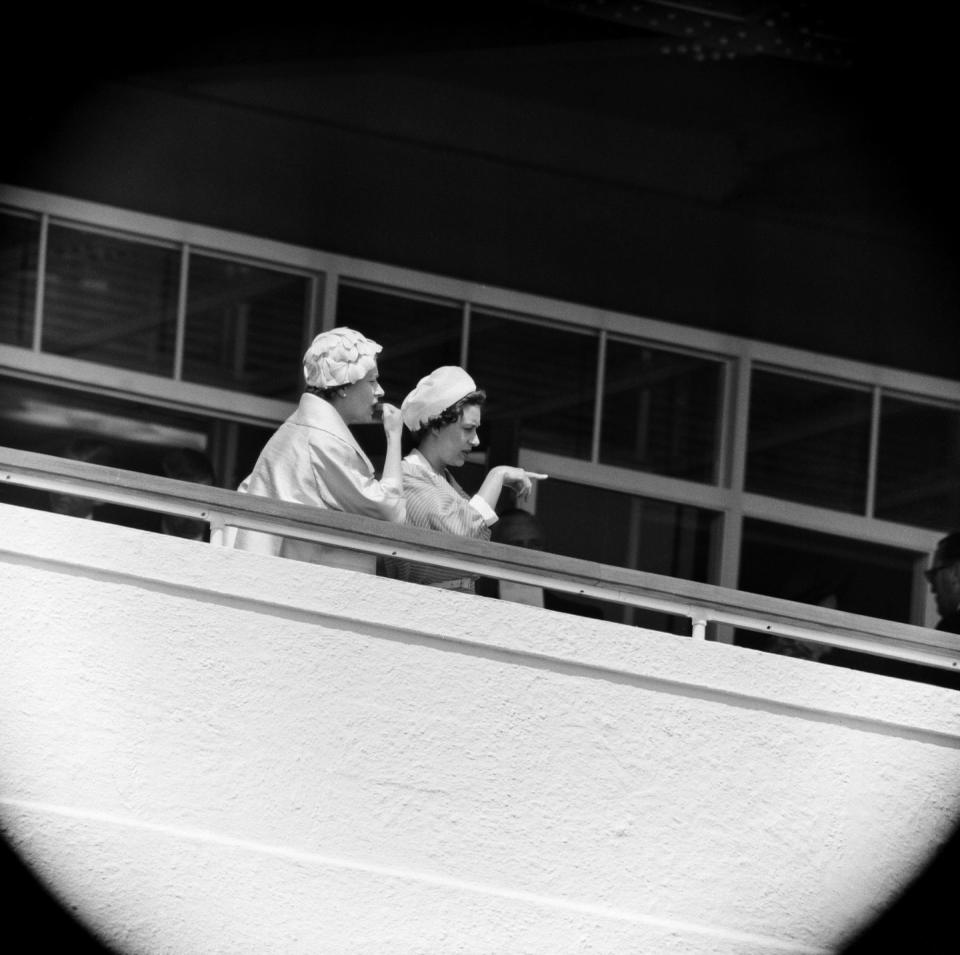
<point>338,357</point>
<point>434,394</point>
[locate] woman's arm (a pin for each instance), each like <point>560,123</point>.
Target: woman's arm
<point>393,428</point>
<point>345,482</point>
<point>505,476</point>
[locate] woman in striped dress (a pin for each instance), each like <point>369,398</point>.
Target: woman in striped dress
<point>443,413</point>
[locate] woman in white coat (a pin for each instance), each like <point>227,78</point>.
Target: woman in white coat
<point>313,458</point>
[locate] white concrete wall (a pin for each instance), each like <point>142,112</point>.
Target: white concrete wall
<point>211,751</point>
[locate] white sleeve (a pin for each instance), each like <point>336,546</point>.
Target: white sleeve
<point>488,514</point>
<point>346,484</point>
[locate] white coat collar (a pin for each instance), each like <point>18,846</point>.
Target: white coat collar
<point>315,412</point>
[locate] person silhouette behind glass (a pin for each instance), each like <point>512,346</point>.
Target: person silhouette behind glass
<point>943,575</point>
<point>520,528</point>
<point>186,464</point>
<point>93,451</point>
<point>944,579</point>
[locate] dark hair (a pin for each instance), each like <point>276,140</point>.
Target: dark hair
<point>325,393</point>
<point>948,549</point>
<point>452,414</point>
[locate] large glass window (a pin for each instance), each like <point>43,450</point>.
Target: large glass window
<point>918,470</point>
<point>245,327</point>
<point>816,568</point>
<point>661,411</point>
<point>111,297</point>
<point>613,527</point>
<point>19,244</point>
<point>808,441</point>
<point>110,300</point>
<point>540,382</point>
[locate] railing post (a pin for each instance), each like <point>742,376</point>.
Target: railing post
<point>699,631</point>
<point>217,529</point>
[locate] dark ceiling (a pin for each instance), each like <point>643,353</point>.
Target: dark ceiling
<point>802,109</point>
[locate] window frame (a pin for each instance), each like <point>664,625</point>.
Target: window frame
<point>326,270</point>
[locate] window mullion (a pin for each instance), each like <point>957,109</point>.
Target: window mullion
<point>41,281</point>
<point>598,397</point>
<point>874,452</point>
<point>329,317</point>
<point>180,334</point>
<point>465,335</point>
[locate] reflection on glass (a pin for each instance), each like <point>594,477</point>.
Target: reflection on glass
<point>918,469</point>
<point>830,571</point>
<point>808,441</point>
<point>816,568</point>
<point>19,244</point>
<point>660,412</point>
<point>540,383</point>
<point>249,442</point>
<point>245,327</point>
<point>110,300</point>
<point>417,335</point>
<point>95,428</point>
<point>612,527</point>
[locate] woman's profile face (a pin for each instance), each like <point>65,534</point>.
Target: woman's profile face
<point>456,440</point>
<point>361,400</point>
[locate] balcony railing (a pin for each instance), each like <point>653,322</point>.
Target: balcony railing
<point>700,603</point>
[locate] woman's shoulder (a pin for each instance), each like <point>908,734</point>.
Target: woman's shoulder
<point>416,467</point>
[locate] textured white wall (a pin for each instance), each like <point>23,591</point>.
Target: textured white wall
<point>205,750</point>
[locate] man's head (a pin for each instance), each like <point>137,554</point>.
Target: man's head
<point>519,528</point>
<point>185,464</point>
<point>92,451</point>
<point>944,574</point>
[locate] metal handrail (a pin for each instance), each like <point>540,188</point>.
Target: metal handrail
<point>700,603</point>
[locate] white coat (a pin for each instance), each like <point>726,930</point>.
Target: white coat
<point>313,459</point>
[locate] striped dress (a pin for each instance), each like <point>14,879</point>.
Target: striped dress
<point>436,502</point>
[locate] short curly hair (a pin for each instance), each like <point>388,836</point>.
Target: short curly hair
<point>452,414</point>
